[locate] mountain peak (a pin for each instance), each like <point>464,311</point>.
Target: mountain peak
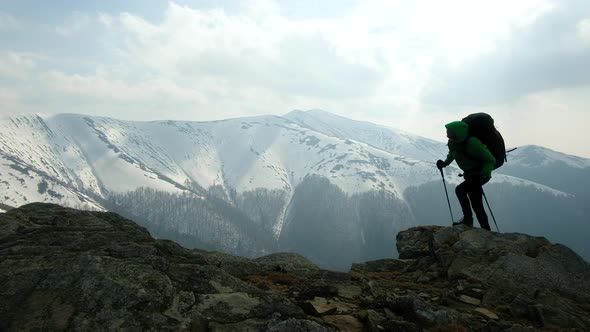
<point>537,156</point>
<point>381,137</point>
<point>310,111</point>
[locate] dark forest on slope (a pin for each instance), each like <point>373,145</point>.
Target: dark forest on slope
<point>322,222</point>
<point>335,229</point>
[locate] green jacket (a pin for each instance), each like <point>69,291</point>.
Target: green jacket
<point>472,156</point>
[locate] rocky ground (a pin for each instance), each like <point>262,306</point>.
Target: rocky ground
<point>63,269</point>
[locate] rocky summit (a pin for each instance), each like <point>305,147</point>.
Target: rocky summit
<point>64,269</point>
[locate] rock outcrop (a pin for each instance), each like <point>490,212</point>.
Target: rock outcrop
<point>63,269</point>
<point>546,283</point>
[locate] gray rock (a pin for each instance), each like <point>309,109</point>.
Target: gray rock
<point>375,321</point>
<point>247,325</point>
<point>253,325</point>
<point>519,306</point>
<point>514,274</point>
<point>382,265</point>
<point>520,328</point>
<point>278,262</point>
<point>414,242</point>
<point>63,269</point>
<point>414,308</point>
<point>238,267</point>
<point>349,291</point>
<point>344,323</point>
<point>287,262</point>
<point>401,325</point>
<point>424,278</point>
<point>556,311</point>
<point>296,325</point>
<point>515,269</point>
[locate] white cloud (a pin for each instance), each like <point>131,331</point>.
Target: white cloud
<point>106,19</point>
<point>188,33</point>
<point>584,30</point>
<point>76,23</point>
<point>456,29</point>
<point>544,55</point>
<point>263,52</point>
<point>9,22</point>
<point>555,118</point>
<point>377,56</point>
<point>260,9</point>
<point>101,87</point>
<point>9,100</point>
<point>373,61</point>
<point>15,66</point>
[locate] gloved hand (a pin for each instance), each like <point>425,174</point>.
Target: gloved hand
<point>440,164</point>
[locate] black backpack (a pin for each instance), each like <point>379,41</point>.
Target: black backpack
<point>481,125</point>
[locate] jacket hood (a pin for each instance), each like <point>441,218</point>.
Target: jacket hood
<point>459,128</point>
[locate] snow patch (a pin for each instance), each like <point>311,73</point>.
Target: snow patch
<point>500,178</point>
<point>97,156</point>
<point>537,156</point>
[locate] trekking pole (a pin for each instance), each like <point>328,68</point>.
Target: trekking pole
<point>448,201</point>
<point>492,213</point>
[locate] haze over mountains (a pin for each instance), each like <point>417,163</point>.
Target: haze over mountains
<point>330,188</point>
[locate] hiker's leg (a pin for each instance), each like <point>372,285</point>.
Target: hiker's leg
<point>475,194</point>
<point>461,191</point>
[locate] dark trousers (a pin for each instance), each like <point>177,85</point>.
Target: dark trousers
<point>470,194</point>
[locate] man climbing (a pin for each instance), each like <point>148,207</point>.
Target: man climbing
<point>477,163</point>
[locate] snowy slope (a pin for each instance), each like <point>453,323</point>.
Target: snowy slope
<point>453,176</point>
<point>534,156</point>
<point>274,153</point>
<point>21,184</point>
<point>116,154</point>
<point>403,143</point>
<point>506,179</point>
<point>98,156</point>
<point>271,152</point>
<point>388,139</point>
<point>73,151</point>
<point>32,142</point>
<point>554,169</point>
<point>69,158</point>
<point>409,145</point>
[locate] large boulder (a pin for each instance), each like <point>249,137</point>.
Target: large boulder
<point>65,269</point>
<point>543,277</point>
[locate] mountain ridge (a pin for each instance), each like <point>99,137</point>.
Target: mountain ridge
<point>7,149</point>
<point>258,171</point>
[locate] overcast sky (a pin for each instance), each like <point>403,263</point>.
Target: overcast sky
<point>413,65</point>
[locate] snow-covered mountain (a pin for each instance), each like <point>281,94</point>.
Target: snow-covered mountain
<point>392,140</point>
<point>555,169</point>
<point>104,155</point>
<point>101,156</point>
<point>534,156</point>
<point>264,173</point>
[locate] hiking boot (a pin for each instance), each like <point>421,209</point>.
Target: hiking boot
<point>466,221</point>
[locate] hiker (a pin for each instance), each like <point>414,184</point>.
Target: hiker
<point>477,163</point>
